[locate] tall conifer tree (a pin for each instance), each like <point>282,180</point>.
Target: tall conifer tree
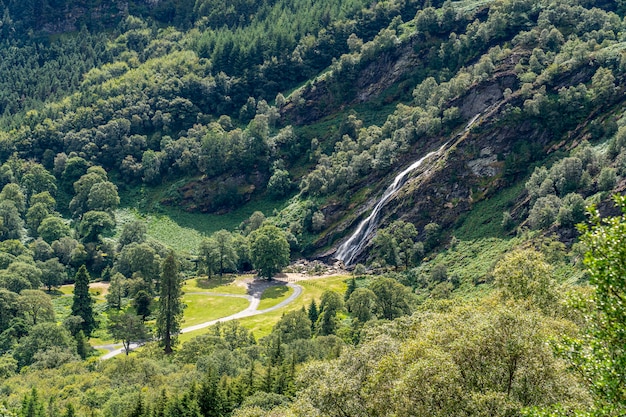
<point>83,302</point>
<point>170,304</point>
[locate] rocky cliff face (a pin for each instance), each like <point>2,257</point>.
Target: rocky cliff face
<point>478,163</point>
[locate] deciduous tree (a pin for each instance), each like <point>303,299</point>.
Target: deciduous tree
<point>269,250</point>
<point>36,306</point>
<point>392,299</point>
<point>227,256</point>
<point>599,355</point>
<point>127,327</point>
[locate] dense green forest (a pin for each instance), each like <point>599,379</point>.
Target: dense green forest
<point>153,153</point>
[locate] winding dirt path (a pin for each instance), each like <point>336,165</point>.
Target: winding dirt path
<point>255,290</point>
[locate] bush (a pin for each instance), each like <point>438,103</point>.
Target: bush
<point>572,210</point>
<point>279,184</point>
<point>544,212</point>
<point>607,179</point>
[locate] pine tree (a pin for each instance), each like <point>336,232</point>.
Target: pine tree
<point>159,407</point>
<point>268,381</point>
<point>170,304</point>
<point>313,313</point>
<point>350,289</point>
<point>69,411</point>
<point>249,379</point>
<point>82,347</point>
<point>52,410</point>
<point>82,305</point>
<point>138,409</point>
<point>32,406</point>
<point>209,397</point>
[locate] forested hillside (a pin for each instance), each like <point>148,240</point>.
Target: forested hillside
<point>152,148</point>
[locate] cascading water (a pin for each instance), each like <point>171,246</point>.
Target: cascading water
<point>353,246</point>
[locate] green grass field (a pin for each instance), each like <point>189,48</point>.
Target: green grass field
<point>181,230</point>
<point>262,324</point>
<point>273,296</point>
<point>202,308</point>
<point>205,307</point>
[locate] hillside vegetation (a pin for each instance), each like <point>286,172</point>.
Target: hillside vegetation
<point>143,143</point>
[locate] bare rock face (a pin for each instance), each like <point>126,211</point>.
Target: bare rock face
<point>320,98</point>
<point>382,74</point>
<point>470,170</point>
<point>485,165</point>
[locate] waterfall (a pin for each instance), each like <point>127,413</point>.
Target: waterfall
<point>353,246</point>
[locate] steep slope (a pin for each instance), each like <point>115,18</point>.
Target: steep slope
<point>536,95</point>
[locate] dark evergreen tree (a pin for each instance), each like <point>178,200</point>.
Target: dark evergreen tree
<point>69,411</point>
<point>248,382</point>
<point>142,303</point>
<point>330,305</point>
<point>313,313</point>
<point>138,409</point>
<point>83,302</point>
<point>170,304</point>
<point>210,397</point>
<point>268,380</point>
<point>32,406</point>
<point>158,410</point>
<point>82,345</point>
<point>350,289</point>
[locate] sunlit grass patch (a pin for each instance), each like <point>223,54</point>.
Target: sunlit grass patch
<point>202,308</point>
<point>274,295</point>
<point>261,325</point>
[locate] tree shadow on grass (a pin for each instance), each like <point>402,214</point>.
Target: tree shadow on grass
<point>274,292</point>
<point>207,284</point>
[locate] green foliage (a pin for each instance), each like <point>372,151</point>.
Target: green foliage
<point>294,325</point>
<point>53,273</point>
<point>139,260</point>
<point>9,308</point>
<point>599,355</point>
<point>36,306</point>
<point>279,184</point>
<point>524,275</point>
<point>116,291</point>
<point>327,321</point>
<point>32,406</point>
<point>392,299</point>
<point>51,342</point>
<point>269,250</point>
<point>142,303</point>
<point>350,289</point>
<point>93,224</point>
<point>395,245</point>
<point>170,308</point>
<point>226,255</point>
<point>544,212</point>
<point>132,232</point>
<point>208,258</point>
<point>53,228</point>
<point>82,304</point>
<point>362,304</point>
<point>127,327</point>
<point>184,114</point>
<point>468,359</point>
<point>313,312</point>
